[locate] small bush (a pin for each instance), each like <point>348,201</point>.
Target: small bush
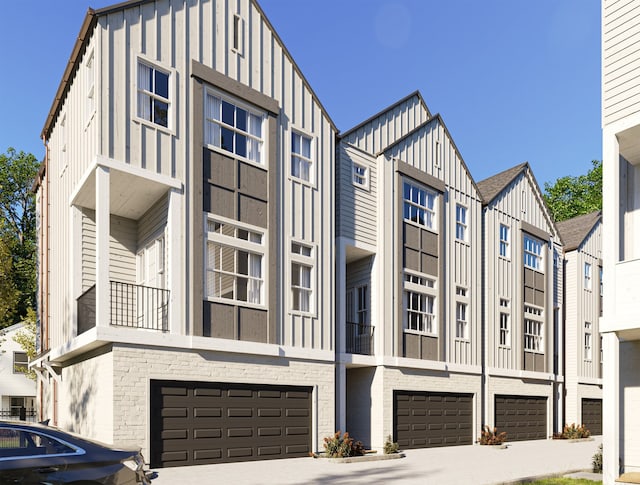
<point>573,432</point>
<point>338,446</point>
<point>390,446</point>
<point>596,461</point>
<point>490,436</point>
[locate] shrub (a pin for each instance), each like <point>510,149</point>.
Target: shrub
<point>572,432</point>
<point>490,436</point>
<point>338,446</point>
<point>390,446</point>
<point>596,461</point>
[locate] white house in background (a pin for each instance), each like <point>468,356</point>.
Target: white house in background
<point>620,323</point>
<point>16,389</point>
<point>582,238</point>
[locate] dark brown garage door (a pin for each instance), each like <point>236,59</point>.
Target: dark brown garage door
<point>523,418</point>
<point>195,423</point>
<point>592,415</point>
<point>428,419</point>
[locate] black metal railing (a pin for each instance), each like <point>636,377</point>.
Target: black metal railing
<point>18,413</point>
<point>359,338</point>
<point>135,306</point>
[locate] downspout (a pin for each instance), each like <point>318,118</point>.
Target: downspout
<point>484,405</point>
<point>564,339</point>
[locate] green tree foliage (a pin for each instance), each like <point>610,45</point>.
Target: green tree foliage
<point>571,196</point>
<point>26,338</point>
<point>17,235</point>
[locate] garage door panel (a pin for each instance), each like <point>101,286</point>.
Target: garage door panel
<point>592,415</point>
<point>521,417</point>
<point>199,423</point>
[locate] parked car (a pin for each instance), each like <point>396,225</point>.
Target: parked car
<point>35,453</point>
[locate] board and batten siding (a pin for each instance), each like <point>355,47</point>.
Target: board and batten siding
<point>356,211</point>
<point>620,59</point>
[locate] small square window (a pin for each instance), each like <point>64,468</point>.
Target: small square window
<point>20,362</point>
<point>360,175</point>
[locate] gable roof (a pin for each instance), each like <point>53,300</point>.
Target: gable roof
<point>89,24</point>
<point>416,93</point>
<point>492,186</point>
<point>574,231</point>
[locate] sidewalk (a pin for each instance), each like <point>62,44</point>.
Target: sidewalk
<point>459,465</point>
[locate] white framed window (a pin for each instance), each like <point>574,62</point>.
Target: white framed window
<point>362,303</point>
<point>63,145</point>
<point>235,262</point>
<point>505,241</point>
<point>89,81</point>
<point>461,291</point>
<point>533,329</point>
<point>533,252</point>
<point>360,175</point>
<point>302,277</point>
<point>588,351</point>
<point>234,127</point>
<point>438,155</point>
<point>420,316</point>
<point>419,280</point>
<point>20,362</point>
<point>461,222</point>
<point>237,39</point>
<point>154,101</point>
<point>505,317</point>
<point>419,205</point>
<point>462,325</point>
<point>301,161</point>
<point>587,276</point>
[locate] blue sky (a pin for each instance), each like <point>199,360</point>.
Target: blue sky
<point>514,80</point>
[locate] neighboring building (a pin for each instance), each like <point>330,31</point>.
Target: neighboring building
<point>620,323</point>
<point>408,299</point>
<point>186,238</point>
<point>16,389</point>
<point>522,307</point>
<point>582,238</point>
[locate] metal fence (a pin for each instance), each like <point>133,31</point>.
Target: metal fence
<point>21,414</point>
<point>359,338</point>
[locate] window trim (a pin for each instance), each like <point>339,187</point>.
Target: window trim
<point>538,257</point>
<point>311,181</point>
<point>504,310</point>
<point>427,289</point>
<point>20,364</point>
<point>432,211</point>
<point>462,224</point>
<point>588,276</point>
<point>462,324</point>
<point>588,342</point>
<point>506,243</point>
<point>534,316</point>
<point>172,89</point>
<point>309,261</point>
<point>90,86</point>
<point>365,177</point>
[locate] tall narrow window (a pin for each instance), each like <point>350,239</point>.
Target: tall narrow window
<point>601,288</point>
<point>301,287</point>
<point>504,241</point>
<point>362,313</point>
<point>588,353</point>
<point>504,323</point>
<point>238,34</point>
<point>587,276</point>
<point>233,127</point>
<point>419,205</point>
<point>301,163</point>
<point>532,252</point>
<point>89,86</point>
<point>462,325</point>
<point>461,222</point>
<point>153,94</point>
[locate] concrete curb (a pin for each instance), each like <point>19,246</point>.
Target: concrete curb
<point>368,457</point>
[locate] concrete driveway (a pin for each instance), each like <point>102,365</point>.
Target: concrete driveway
<point>462,465</point>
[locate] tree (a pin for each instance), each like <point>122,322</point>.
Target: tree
<point>26,338</point>
<point>571,196</point>
<point>17,234</point>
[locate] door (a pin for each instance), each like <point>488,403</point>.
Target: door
<point>522,417</point>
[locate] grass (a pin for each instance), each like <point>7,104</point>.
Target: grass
<point>564,481</point>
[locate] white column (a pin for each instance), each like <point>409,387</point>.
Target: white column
<point>611,407</point>
<point>178,310</point>
<point>341,397</point>
<point>341,312</point>
<point>102,246</point>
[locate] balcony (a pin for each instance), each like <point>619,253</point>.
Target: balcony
<point>359,338</point>
<point>133,306</point>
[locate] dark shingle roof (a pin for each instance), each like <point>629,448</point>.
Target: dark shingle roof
<point>574,231</point>
<point>492,186</point>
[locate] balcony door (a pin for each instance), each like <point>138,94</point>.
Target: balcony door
<point>151,300</point>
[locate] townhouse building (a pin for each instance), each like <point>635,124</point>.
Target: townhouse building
<point>583,287</point>
<point>408,218</point>
<point>620,322</point>
<point>186,238</point>
<point>17,391</point>
<point>522,285</point>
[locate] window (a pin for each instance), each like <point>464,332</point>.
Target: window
<point>532,253</point>
<point>20,362</point>
<point>153,94</point>
<point>587,276</point>
<point>360,175</point>
<point>361,305</point>
<point>533,327</point>
<point>461,222</point>
<point>301,156</point>
<point>238,34</point>
<point>29,444</point>
<point>89,86</point>
<point>233,128</point>
<point>419,206</point>
<point>63,145</point>
<point>437,157</point>
<point>420,315</point>
<point>460,291</point>
<point>587,341</point>
<point>462,326</point>
<point>601,350</point>
<point>504,323</point>
<point>504,241</point>
<point>302,263</point>
<point>235,263</point>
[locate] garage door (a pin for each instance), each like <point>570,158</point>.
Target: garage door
<point>592,415</point>
<point>195,423</point>
<point>428,419</point>
<point>523,418</point>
